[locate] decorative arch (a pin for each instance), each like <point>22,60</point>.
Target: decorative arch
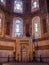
<point>36,26</point>
<point>17,27</point>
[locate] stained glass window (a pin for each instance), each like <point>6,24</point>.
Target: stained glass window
<point>34,5</point>
<point>18,6</point>
<point>17,28</point>
<point>36,26</point>
<point>3,1</point>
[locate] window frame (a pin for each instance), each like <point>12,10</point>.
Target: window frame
<point>36,8</point>
<point>37,34</point>
<point>14,31</point>
<point>18,11</point>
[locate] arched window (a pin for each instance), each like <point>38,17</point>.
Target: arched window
<point>17,27</point>
<point>18,6</point>
<point>36,26</point>
<point>34,5</point>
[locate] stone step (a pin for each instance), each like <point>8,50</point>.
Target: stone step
<point>25,63</point>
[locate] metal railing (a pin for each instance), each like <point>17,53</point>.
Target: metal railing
<point>35,59</point>
<point>6,59</point>
<point>41,59</point>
